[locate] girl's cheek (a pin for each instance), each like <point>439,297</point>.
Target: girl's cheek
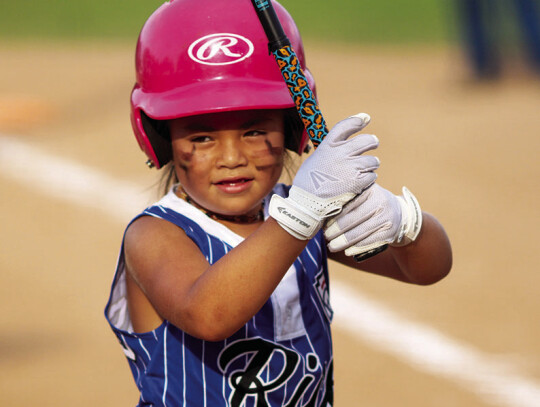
<point>183,155</point>
<point>190,157</point>
<point>266,155</point>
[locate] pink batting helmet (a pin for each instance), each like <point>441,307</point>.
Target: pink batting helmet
<point>203,56</point>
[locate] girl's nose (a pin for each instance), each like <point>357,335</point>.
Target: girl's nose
<point>232,154</point>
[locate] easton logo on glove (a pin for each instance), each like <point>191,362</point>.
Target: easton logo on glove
<point>318,178</point>
<point>285,212</point>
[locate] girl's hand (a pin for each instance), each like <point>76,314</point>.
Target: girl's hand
<point>374,219</point>
<point>333,175</point>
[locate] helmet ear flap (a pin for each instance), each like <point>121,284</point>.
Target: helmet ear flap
<point>157,132</point>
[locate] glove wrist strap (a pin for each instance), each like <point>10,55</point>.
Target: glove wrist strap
<point>411,219</point>
<point>298,223</point>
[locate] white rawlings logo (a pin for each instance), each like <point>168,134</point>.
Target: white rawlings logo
<point>220,49</point>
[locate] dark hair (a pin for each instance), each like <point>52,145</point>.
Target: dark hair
<point>159,136</point>
<point>293,129</point>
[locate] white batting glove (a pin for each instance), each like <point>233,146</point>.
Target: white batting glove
<point>373,220</point>
<point>334,174</point>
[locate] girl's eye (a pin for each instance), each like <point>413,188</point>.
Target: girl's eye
<point>254,133</point>
<point>200,139</point>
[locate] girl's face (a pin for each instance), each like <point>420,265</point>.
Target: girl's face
<point>228,162</point>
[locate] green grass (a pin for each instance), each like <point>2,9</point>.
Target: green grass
<point>75,19</point>
<point>373,21</point>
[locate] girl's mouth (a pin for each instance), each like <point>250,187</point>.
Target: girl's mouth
<point>234,186</point>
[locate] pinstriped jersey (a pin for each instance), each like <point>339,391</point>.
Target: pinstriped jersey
<point>281,357</point>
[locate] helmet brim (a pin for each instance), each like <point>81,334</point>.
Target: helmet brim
<point>212,96</point>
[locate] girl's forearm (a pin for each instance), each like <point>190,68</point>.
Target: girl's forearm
<point>232,290</point>
<point>429,258</point>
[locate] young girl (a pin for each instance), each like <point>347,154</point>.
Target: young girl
<point>220,296</point>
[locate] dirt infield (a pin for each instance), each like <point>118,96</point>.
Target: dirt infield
<point>469,151</point>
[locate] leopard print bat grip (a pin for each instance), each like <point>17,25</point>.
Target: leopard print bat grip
<point>293,75</point>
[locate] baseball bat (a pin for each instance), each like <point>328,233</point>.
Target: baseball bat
<point>293,75</point>
<point>289,65</point>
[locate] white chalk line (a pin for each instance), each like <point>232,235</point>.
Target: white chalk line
<point>496,383</point>
<point>69,181</point>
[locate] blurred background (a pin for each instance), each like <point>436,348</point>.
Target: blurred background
<point>453,89</point>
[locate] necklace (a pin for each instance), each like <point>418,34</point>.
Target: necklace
<point>259,216</point>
